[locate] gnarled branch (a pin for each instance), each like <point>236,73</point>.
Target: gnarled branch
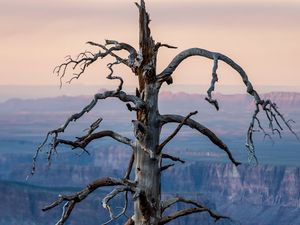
<point>73,199</point>
<point>82,142</point>
<point>85,59</point>
<point>267,105</point>
<point>272,114</point>
<point>121,95</point>
<point>122,46</point>
<point>168,71</point>
<point>109,52</point>
<point>202,129</point>
<point>109,197</point>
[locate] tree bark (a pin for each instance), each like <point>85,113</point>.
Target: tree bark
<point>148,162</point>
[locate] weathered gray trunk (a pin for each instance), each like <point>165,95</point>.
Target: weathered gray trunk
<point>148,162</point>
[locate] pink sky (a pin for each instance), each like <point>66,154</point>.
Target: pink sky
<point>262,36</point>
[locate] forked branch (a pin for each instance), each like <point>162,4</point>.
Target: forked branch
<point>202,129</point>
<point>109,197</point>
<point>100,96</point>
<point>85,59</point>
<point>199,208</point>
<point>73,199</point>
<point>169,138</point>
<point>274,117</point>
<point>185,212</point>
<point>82,142</point>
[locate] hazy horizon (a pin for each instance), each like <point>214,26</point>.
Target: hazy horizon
<point>43,91</point>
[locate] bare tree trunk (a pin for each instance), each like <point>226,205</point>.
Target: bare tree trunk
<point>148,163</point>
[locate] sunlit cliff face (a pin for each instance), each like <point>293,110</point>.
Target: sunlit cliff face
<point>262,36</point>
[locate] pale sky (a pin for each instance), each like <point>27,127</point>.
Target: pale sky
<point>262,36</point>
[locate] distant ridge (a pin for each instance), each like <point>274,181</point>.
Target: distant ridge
<point>42,91</point>
<point>286,100</point>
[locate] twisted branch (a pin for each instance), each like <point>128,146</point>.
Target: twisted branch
<point>202,129</point>
<point>212,84</point>
<point>111,77</point>
<point>272,113</point>
<point>100,96</point>
<point>85,59</point>
<point>110,196</point>
<point>73,199</point>
<point>82,142</point>
<point>267,105</point>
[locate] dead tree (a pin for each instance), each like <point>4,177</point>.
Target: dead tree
<point>147,151</point>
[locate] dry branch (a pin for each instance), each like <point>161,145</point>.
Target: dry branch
<point>82,142</point>
<point>199,208</point>
<point>73,199</point>
<point>169,138</point>
<point>267,105</point>
<point>121,95</point>
<point>202,129</point>
<point>109,197</point>
<point>173,158</point>
<point>130,165</point>
<point>85,59</point>
<point>163,168</point>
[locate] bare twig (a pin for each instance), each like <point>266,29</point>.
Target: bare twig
<point>163,168</point>
<point>130,165</point>
<point>173,158</point>
<point>212,85</point>
<point>111,77</point>
<point>159,45</point>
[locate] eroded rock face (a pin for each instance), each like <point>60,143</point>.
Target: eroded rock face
<point>266,195</point>
<point>261,185</point>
